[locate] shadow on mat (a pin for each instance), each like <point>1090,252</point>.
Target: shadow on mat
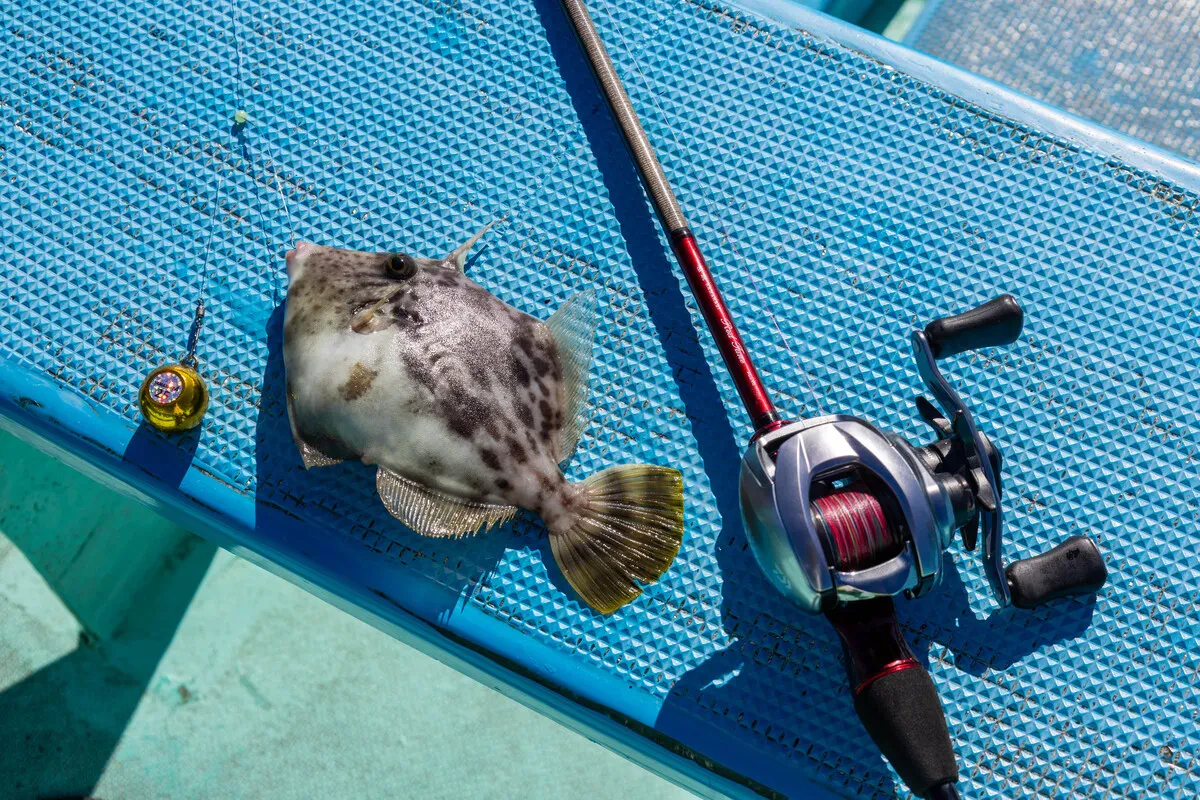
<point>1000,639</point>
<point>293,504</point>
<point>709,708</point>
<point>60,725</point>
<point>164,457</point>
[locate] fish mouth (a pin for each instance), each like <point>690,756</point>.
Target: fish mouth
<point>296,256</point>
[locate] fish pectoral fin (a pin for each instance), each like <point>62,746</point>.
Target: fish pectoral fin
<point>573,327</point>
<point>310,454</point>
<point>458,256</point>
<point>433,513</point>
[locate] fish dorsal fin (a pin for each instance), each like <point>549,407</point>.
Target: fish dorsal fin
<point>433,513</point>
<point>573,327</point>
<point>310,455</point>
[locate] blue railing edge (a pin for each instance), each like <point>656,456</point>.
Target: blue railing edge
<point>926,13</point>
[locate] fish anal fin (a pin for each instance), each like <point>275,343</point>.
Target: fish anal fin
<point>433,513</point>
<point>310,454</point>
<point>624,534</point>
<point>573,327</point>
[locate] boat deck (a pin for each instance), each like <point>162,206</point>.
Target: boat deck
<point>845,189</point>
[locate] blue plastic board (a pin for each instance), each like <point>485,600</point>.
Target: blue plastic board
<point>842,197</point>
<point>1127,64</point>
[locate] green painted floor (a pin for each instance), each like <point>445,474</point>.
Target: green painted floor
<point>221,680</point>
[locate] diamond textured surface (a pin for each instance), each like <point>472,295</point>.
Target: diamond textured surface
<point>1133,65</point>
<point>841,203</point>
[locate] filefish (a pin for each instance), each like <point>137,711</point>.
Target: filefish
<point>467,407</point>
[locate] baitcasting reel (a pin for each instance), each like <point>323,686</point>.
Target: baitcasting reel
<point>842,516</point>
<point>837,510</point>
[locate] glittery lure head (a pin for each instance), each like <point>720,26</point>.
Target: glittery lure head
<point>173,398</point>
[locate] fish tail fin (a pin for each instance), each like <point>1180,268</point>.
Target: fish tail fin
<point>625,531</point>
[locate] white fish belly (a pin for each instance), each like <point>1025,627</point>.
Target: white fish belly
<point>357,390</point>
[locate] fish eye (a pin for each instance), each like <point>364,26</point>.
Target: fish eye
<point>401,266</point>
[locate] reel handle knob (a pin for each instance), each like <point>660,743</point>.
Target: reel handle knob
<point>996,322</point>
<point>1073,567</point>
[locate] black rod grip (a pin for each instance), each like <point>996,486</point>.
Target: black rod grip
<point>904,716</point>
<point>1074,567</point>
<point>994,323</point>
<point>895,697</point>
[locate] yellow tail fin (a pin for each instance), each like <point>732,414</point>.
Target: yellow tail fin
<point>627,532</point>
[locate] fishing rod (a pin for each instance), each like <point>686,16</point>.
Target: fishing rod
<point>842,516</point>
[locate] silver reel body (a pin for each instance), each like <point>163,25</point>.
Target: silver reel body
<point>779,472</point>
<point>837,510</point>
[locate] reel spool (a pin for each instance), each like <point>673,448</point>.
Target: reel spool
<point>852,523</point>
<point>837,510</point>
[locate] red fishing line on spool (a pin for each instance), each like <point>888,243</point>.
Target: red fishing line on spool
<point>857,527</point>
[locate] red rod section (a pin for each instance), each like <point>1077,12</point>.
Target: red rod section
<point>754,395</point>
<point>720,323</point>
<point>871,636</point>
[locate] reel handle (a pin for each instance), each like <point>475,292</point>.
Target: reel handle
<point>996,322</point>
<point>1073,567</point>
<point>895,698</point>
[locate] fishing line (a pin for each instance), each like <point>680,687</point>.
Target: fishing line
<point>287,210</point>
<point>708,206</point>
<point>237,51</point>
<point>174,397</point>
<point>276,283</point>
<point>273,167</point>
<point>189,360</point>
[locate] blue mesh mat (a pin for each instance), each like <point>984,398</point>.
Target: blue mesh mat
<point>841,201</point>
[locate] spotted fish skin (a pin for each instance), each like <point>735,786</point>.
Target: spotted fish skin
<point>460,395</point>
<point>448,384</point>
